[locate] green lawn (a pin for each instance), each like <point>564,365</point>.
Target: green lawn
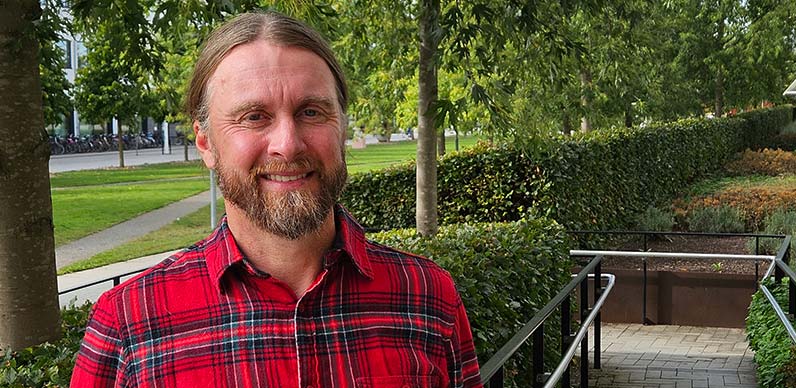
<point>80,211</point>
<point>377,156</point>
<point>181,232</point>
<point>147,172</point>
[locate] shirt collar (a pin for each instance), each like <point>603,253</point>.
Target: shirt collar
<point>222,253</point>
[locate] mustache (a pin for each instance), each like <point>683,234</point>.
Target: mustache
<point>277,166</point>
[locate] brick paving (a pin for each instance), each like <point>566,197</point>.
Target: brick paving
<point>665,356</point>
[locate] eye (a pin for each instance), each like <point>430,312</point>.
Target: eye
<point>254,116</point>
<point>309,112</point>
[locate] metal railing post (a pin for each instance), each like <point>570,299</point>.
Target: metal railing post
<point>598,291</point>
<point>584,343</point>
<point>644,293</point>
<point>566,337</point>
<point>497,379</point>
<point>757,263</point>
<point>116,281</point>
<point>538,357</point>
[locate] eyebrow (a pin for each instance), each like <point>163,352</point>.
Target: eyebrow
<point>325,103</point>
<point>322,101</point>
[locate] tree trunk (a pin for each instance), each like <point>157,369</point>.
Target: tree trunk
<point>441,142</point>
<point>719,102</point>
<point>29,310</point>
<point>426,210</point>
<point>585,98</point>
<point>185,148</point>
<point>120,142</point>
<point>566,125</point>
<point>628,116</point>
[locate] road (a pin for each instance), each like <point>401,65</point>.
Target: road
<point>73,162</point>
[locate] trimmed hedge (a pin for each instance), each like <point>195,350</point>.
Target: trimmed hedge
<point>596,181</point>
<point>775,356</point>
<point>505,273</point>
<point>48,364</point>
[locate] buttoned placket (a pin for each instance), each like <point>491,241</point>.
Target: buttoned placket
<point>296,329</point>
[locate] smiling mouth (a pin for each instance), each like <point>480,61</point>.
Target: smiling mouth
<point>285,178</point>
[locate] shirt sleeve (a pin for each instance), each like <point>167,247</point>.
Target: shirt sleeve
<point>466,372</point>
<point>100,360</point>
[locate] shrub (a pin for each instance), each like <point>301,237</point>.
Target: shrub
<point>505,273</point>
<point>762,125</point>
<point>775,356</point>
<point>48,364</point>
<point>719,219</point>
<point>765,162</point>
<point>778,222</point>
<point>753,203</point>
<point>656,219</point>
<point>600,180</point>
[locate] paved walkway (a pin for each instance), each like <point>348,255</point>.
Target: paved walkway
<point>131,229</point>
<point>92,160</point>
<point>662,356</point>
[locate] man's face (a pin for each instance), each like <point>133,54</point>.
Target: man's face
<point>275,137</point>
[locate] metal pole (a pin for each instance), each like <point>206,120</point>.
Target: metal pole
<point>212,199</point>
<point>566,337</point>
<point>165,134</point>
<point>757,263</point>
<point>584,343</point>
<point>538,356</point>
<point>497,379</point>
<point>597,292</point>
<point>644,294</point>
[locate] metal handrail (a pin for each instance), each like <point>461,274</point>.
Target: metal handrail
<point>782,265</point>
<point>116,280</point>
<point>650,232</point>
<point>492,370</point>
<point>584,328</point>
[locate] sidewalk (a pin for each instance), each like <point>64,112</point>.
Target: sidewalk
<point>666,356</point>
<point>79,297</point>
<point>120,233</point>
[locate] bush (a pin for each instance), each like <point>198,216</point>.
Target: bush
<point>719,219</point>
<point>763,125</point>
<point>48,364</point>
<point>505,273</point>
<point>656,220</point>
<point>600,180</point>
<point>755,204</point>
<point>765,162</point>
<point>778,222</point>
<point>775,355</point>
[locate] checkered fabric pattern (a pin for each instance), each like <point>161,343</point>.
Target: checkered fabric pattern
<point>374,317</point>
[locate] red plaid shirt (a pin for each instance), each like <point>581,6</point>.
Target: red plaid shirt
<point>374,317</point>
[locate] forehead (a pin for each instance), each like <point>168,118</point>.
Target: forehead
<point>261,64</point>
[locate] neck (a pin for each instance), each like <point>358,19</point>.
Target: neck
<point>294,262</point>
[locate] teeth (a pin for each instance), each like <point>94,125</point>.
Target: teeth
<point>285,178</point>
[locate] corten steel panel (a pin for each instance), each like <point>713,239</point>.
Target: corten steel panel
<point>680,298</point>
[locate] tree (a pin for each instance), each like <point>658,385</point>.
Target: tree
<point>54,85</point>
<point>28,287</point>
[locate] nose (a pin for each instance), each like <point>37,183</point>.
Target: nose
<point>285,140</point>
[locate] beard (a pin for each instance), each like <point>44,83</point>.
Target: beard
<point>290,214</point>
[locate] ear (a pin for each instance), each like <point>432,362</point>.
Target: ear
<point>204,145</point>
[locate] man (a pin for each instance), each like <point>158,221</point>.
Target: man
<point>286,292</point>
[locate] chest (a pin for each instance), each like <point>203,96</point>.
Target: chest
<point>338,335</point>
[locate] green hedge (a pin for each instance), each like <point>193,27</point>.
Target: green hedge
<point>48,364</point>
<point>505,273</point>
<point>595,181</point>
<point>775,355</point>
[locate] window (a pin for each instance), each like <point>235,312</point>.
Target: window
<point>66,46</point>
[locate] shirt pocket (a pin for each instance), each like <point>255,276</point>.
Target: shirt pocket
<point>398,382</point>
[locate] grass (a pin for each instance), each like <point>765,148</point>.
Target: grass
<point>147,172</point>
<point>193,227</point>
<point>180,233</point>
<point>374,157</point>
<point>80,211</point>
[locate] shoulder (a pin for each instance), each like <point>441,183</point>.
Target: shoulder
<point>416,271</point>
<point>186,267</point>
